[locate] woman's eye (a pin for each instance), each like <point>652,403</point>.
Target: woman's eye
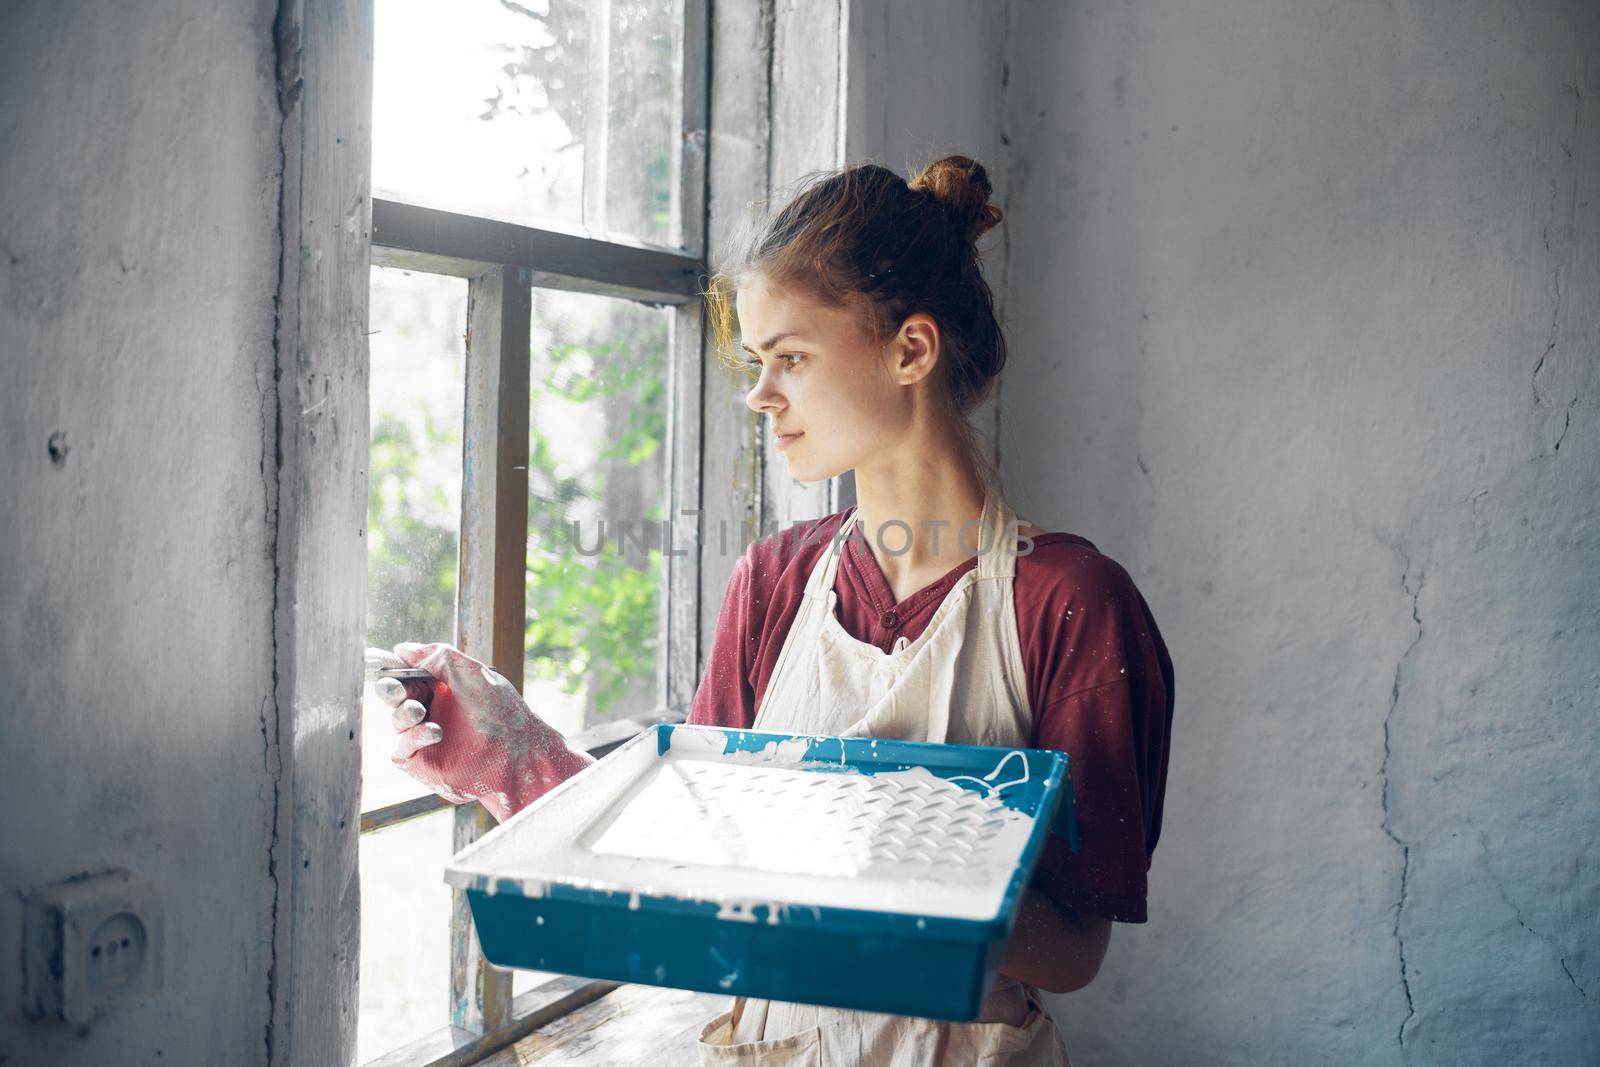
<point>753,363</point>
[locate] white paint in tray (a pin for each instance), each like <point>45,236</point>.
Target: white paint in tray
<point>757,828</point>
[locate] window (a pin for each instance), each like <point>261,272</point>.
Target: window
<point>538,221</point>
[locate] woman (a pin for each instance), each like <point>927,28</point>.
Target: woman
<point>928,612</point>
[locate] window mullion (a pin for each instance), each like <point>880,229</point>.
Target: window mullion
<point>692,112</point>
<point>679,630</point>
<point>678,667</point>
<point>413,237</point>
<point>490,593</point>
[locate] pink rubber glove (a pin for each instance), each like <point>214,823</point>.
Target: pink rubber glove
<point>468,735</point>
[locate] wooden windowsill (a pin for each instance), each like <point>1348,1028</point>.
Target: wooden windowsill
<point>575,1020</point>
<point>633,1024</point>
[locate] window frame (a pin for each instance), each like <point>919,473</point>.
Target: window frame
<point>503,263</point>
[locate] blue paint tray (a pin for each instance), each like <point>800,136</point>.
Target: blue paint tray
<point>850,872</point>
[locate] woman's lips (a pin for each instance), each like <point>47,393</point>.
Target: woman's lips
<point>787,439</point>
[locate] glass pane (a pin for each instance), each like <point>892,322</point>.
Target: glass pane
<point>556,113</point>
<point>418,381</point>
<point>405,935</point>
<point>597,499</point>
<point>639,118</point>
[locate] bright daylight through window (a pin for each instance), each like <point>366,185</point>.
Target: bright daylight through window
<point>527,158</point>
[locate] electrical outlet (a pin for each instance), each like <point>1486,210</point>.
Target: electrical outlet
<point>93,943</point>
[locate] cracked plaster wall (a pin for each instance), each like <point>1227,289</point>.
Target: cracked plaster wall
<point>1305,302</point>
<point>1305,312</point>
<point>138,265</point>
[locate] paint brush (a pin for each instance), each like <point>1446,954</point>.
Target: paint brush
<point>405,674</point>
<point>416,681</point>
<point>411,674</point>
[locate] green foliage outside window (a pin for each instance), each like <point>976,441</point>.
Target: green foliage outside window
<point>591,616</point>
<point>592,600</point>
<point>592,609</point>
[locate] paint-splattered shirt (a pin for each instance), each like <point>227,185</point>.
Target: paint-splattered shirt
<point>1098,675</point>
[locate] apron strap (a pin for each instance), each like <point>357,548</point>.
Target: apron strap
<point>820,582</point>
<point>999,556</point>
<point>997,545</point>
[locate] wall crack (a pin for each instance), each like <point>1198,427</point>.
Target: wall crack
<point>288,85</point>
<point>1551,340</point>
<point>1414,591</point>
<point>1566,424</point>
<point>1552,337</point>
<point>1516,912</point>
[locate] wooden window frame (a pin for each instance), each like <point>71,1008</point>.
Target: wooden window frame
<point>503,263</point>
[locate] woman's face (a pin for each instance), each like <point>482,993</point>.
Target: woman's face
<point>822,378</point>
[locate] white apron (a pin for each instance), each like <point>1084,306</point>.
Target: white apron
<point>962,681</point>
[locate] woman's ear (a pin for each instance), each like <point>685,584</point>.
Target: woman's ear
<point>915,348</point>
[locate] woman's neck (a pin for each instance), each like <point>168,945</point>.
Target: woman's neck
<point>912,514</point>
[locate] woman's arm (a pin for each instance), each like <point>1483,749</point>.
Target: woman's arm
<point>1053,948</point>
<point>1100,680</point>
<point>726,696</point>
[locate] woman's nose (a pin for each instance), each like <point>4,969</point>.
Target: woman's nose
<point>762,396</point>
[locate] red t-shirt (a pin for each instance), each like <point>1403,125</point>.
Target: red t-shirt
<point>1098,675</point>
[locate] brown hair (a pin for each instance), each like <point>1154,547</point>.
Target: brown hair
<point>865,237</point>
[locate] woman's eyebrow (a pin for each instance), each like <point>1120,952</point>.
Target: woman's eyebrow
<point>769,342</point>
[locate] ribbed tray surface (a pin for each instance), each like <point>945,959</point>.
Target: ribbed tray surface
<point>895,825</point>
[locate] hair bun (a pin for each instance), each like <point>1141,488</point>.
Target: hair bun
<point>962,185</point>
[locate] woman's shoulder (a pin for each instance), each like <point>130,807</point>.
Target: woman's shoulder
<point>1083,623</point>
<point>1059,567</point>
<point>792,549</point>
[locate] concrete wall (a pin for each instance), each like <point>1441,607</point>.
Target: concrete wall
<point>925,79</point>
<point>138,266</point>
<point>1305,306</point>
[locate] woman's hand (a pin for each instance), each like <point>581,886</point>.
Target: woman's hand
<point>468,735</point>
